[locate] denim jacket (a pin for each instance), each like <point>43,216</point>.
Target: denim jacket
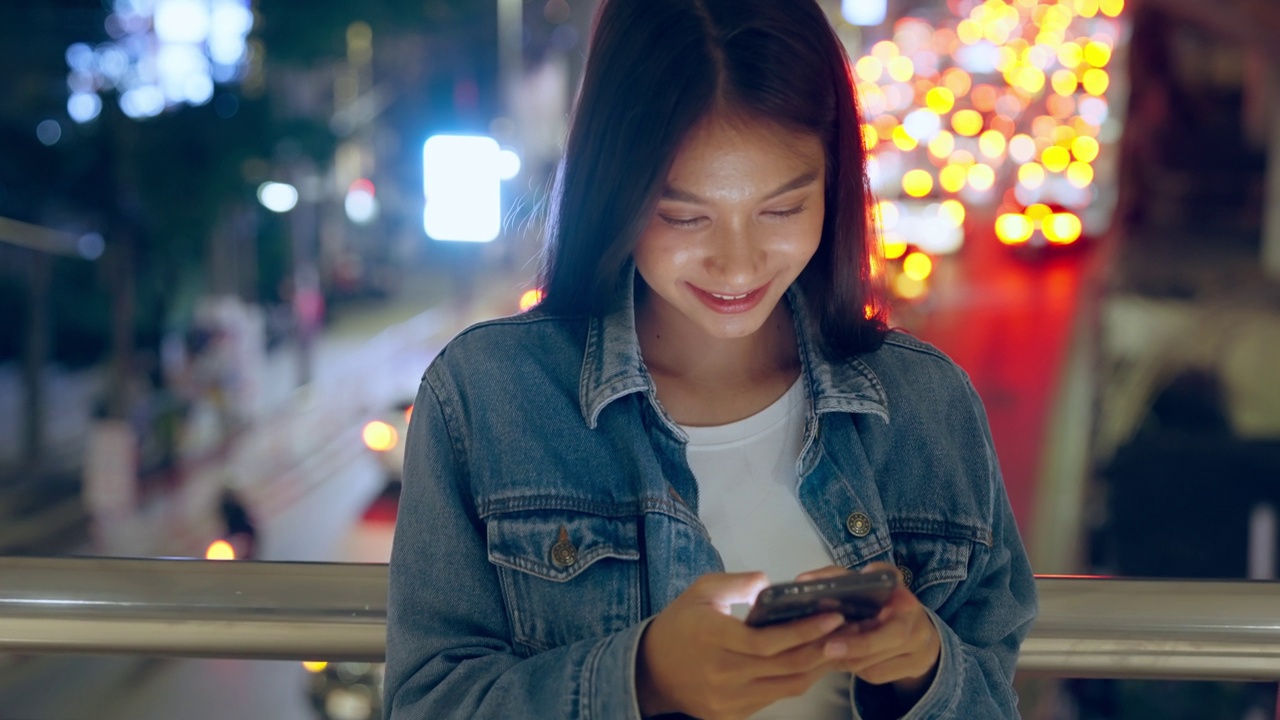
<point>548,513</point>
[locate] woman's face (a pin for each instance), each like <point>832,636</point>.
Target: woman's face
<point>739,217</point>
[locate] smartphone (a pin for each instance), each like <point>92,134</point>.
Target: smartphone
<point>858,596</point>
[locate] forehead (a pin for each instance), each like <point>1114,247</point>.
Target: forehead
<point>723,143</point>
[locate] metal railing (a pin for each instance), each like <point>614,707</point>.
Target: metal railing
<point>1116,628</point>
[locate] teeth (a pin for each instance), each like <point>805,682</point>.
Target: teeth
<point>729,297</point>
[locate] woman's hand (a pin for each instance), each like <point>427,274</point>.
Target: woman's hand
<point>697,659</point>
<point>901,645</point>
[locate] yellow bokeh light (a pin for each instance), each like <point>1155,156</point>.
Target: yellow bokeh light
<point>1111,8</point>
<point>953,178</point>
<point>940,100</point>
<point>1055,158</point>
<point>1097,54</point>
<point>870,138</point>
<point>1013,229</point>
<point>1051,39</point>
<point>969,32</point>
<point>942,145</point>
<point>220,550</point>
<point>903,140</point>
<point>967,122</point>
<point>1085,149</point>
<point>1031,175</point>
<point>530,299</point>
<point>917,183</point>
<point>952,211</point>
<point>1063,135</point>
<point>1065,82</point>
<point>885,50</point>
<point>997,33</point>
<point>901,68</point>
<point>869,68</point>
<point>894,248</point>
<point>1030,79</point>
<point>1095,81</point>
<point>1070,55</point>
<point>917,266</point>
<point>1080,174</point>
<point>379,436</point>
<point>963,158</point>
<point>1086,8</point>
<point>1062,228</point>
<point>907,287</point>
<point>315,666</point>
<point>957,81</point>
<point>992,144</point>
<point>1037,212</point>
<point>981,177</point>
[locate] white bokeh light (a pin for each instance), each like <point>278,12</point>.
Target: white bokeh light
<point>166,53</point>
<point>361,206</point>
<point>864,12</point>
<point>277,196</point>
<point>84,106</point>
<point>182,21</point>
<point>462,177</point>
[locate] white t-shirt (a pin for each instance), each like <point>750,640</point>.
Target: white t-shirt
<point>746,473</point>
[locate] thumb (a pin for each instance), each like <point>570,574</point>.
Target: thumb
<point>725,589</point>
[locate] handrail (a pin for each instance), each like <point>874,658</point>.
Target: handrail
<point>1159,629</point>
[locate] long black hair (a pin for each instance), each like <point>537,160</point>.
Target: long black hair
<point>657,67</point>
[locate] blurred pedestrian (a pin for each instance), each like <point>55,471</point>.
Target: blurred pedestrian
<point>706,401</point>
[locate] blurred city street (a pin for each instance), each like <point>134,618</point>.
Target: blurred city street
<point>306,477</point>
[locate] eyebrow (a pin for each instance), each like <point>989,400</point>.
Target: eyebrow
<point>671,193</point>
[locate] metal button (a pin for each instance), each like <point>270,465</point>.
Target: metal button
<point>907,577</point>
<point>859,524</point>
<point>563,553</point>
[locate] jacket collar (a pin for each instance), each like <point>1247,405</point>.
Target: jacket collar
<point>612,366</point>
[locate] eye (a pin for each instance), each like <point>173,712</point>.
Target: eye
<point>787,213</point>
<point>682,223</point>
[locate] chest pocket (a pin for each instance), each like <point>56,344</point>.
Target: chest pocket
<point>933,564</point>
<point>565,576</point>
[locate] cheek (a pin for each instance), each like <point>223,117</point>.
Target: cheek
<point>657,250</point>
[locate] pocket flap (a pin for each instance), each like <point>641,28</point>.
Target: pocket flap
<point>558,545</point>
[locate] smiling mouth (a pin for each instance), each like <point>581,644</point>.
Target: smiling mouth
<point>731,303</point>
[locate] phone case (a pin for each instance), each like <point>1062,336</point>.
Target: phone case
<point>858,596</point>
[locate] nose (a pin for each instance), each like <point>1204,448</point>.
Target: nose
<point>735,256</point>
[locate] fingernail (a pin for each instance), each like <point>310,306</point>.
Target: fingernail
<point>835,649</point>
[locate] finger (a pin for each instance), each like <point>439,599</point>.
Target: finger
<point>899,633</point>
<point>830,571</point>
<point>891,668</point>
<point>774,639</point>
<point>766,691</point>
<point>799,659</point>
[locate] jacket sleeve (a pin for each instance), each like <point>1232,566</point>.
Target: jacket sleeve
<point>982,625</point>
<point>448,648</point>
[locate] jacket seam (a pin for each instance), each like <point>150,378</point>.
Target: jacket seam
<point>455,442</point>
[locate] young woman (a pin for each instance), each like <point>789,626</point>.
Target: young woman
<point>705,402</point>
